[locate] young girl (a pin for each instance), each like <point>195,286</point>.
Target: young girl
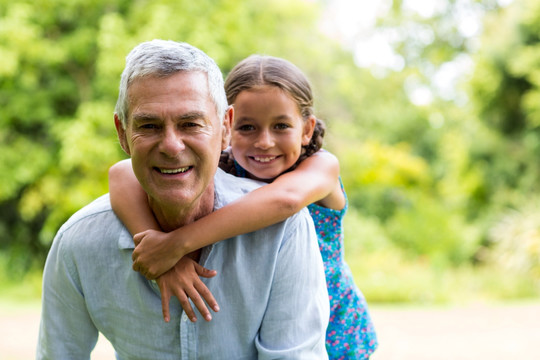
<point>276,139</point>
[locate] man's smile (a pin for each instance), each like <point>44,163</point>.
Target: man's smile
<point>173,171</point>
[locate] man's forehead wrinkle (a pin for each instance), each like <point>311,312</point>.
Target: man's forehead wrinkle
<point>191,115</point>
<point>144,116</point>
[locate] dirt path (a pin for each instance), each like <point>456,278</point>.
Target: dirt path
<point>479,332</point>
<point>510,331</point>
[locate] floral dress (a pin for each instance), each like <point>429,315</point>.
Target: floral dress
<point>350,333</point>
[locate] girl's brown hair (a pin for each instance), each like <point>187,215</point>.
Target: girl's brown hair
<point>259,70</point>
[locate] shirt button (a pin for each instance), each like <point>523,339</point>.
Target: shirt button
<point>184,317</point>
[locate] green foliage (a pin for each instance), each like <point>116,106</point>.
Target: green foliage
<point>505,91</point>
<point>427,185</point>
<point>46,88</point>
<point>480,158</point>
<point>378,176</point>
<point>19,289</point>
<point>59,76</point>
<point>388,273</point>
<point>427,229</point>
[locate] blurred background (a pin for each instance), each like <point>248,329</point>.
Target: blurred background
<point>432,107</point>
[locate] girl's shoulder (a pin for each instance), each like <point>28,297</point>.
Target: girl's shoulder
<point>325,153</point>
<point>324,159</point>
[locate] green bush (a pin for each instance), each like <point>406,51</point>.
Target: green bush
<point>427,229</point>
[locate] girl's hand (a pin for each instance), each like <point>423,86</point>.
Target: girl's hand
<point>183,282</point>
<point>153,254</point>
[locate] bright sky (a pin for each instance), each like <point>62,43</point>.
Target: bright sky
<point>352,22</point>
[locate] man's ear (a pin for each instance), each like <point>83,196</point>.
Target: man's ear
<point>226,127</point>
<point>121,134</point>
<point>309,127</point>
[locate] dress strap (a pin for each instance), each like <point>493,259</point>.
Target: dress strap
<point>240,171</point>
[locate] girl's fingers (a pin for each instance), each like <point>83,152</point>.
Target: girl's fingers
<point>188,288</point>
<point>165,300</point>
<point>182,293</point>
<point>138,238</point>
<point>188,310</point>
<point>204,272</point>
<point>203,291</point>
<point>135,255</point>
<point>199,304</point>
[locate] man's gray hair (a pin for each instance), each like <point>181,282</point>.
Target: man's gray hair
<point>164,58</point>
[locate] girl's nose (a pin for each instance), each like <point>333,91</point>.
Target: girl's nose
<point>171,143</point>
<point>264,140</point>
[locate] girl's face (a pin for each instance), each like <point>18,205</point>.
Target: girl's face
<point>268,131</point>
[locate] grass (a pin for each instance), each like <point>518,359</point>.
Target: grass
<point>386,274</point>
<point>20,291</point>
<point>389,277</point>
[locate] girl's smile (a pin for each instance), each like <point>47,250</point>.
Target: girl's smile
<point>264,159</point>
<point>268,132</point>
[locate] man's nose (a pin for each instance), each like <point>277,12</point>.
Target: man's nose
<point>265,140</point>
<point>172,142</point>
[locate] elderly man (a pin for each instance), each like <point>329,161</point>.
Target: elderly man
<point>173,121</point>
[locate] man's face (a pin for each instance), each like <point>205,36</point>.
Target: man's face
<point>174,137</point>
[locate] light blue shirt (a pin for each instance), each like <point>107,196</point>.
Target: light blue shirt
<point>270,286</point>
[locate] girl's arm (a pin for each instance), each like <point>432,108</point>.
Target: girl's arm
<point>128,199</point>
<point>316,179</point>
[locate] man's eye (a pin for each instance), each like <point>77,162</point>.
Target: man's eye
<point>148,126</point>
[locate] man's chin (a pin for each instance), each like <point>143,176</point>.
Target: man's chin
<point>176,199</point>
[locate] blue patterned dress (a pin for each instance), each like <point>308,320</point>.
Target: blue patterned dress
<point>350,333</point>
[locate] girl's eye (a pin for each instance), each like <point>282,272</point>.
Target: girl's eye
<point>282,126</point>
<point>246,127</point>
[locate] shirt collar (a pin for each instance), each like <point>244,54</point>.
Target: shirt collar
<point>125,240</point>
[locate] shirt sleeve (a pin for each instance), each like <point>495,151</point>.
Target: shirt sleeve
<point>294,325</point>
<point>66,329</point>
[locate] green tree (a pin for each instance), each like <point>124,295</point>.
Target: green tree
<point>506,94</point>
<point>60,66</point>
<point>453,164</point>
<point>505,90</point>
